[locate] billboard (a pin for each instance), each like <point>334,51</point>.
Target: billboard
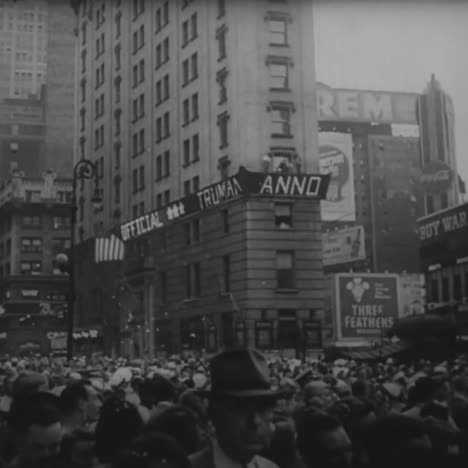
<point>366,305</point>
<point>412,294</point>
<point>336,159</point>
<point>350,105</point>
<point>343,246</point>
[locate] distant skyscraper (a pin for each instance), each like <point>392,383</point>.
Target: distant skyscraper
<point>37,65</point>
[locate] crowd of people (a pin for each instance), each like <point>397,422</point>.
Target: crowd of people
<point>236,410</point>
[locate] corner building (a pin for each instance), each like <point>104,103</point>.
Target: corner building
<point>175,96</point>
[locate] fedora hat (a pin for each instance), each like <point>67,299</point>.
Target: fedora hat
<point>240,373</point>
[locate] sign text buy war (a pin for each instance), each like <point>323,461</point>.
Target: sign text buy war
<point>438,225</point>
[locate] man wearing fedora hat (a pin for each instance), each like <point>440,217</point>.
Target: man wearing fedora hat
<point>241,404</point>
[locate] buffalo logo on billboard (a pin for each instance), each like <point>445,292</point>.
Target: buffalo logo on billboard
<point>436,177</point>
<point>357,288</point>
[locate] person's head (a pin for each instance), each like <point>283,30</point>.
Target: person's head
<point>241,403</point>
<point>119,423</point>
<point>397,441</point>
<point>35,422</point>
<point>73,400</point>
<point>322,440</point>
<point>153,450</point>
<point>179,423</point>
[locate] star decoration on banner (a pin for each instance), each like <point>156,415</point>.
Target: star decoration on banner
<point>175,211</point>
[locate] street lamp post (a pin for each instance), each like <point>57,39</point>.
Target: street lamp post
<point>84,169</point>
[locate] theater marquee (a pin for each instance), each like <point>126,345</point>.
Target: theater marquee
<point>312,186</point>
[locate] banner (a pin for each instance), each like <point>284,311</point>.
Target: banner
<point>412,294</point>
<point>366,305</point>
<point>343,246</point>
<point>312,186</point>
<point>336,159</point>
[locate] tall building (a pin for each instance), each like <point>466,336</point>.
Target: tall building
<point>437,123</point>
<point>36,86</point>
<point>34,228</point>
<point>173,96</point>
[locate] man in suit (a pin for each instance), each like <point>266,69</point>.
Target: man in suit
<point>241,404</point>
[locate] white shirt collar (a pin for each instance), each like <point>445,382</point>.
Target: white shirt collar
<point>222,460</point>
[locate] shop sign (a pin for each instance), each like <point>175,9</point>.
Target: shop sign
<point>367,305</point>
<point>365,106</point>
<point>86,334</point>
<point>436,177</point>
<point>343,246</point>
<point>439,224</point>
<point>313,186</point>
<point>34,293</point>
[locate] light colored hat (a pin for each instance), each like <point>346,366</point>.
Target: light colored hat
<point>199,380</point>
<point>121,376</point>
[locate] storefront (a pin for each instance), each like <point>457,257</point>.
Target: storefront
<point>444,258</point>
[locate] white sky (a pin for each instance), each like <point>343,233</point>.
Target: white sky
<point>396,45</point>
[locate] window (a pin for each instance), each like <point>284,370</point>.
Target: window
<point>225,221</point>
<point>278,32</point>
<point>142,177</point>
<point>193,280</point>
<point>138,8</point>
<point>158,55</point>
<point>117,150</point>
<point>221,8</point>
<point>135,211</point>
<point>285,270</point>
<point>445,289</point>
<point>226,273</point>
<point>185,72</point>
<point>163,287</point>
<point>221,38</point>
<point>166,50</point>
<point>186,111</point>
<point>83,119</point>
<point>159,92</point>
<point>187,233</point>
<point>83,34</point>
<point>31,221</point>
<point>186,188</point>
<point>135,75</point>
<point>141,35</point>
<point>31,268</point>
<point>196,230</point>
<point>283,215</point>
<point>223,130</point>
<point>429,204</point>
<point>196,184</point>
<point>167,164</point>
<point>83,90</point>
<point>118,24</point>
<point>193,23</point>
<point>457,287</point>
<point>159,171</point>
<point>158,19</point>
<point>117,55</point>
<point>185,33</point>
<point>280,121</point>
<point>165,13</point>
<point>141,69</point>
<point>194,62</point>
<point>117,181</point>
<point>159,136</point>
<point>141,141</point>
<point>166,87</point>
<point>83,61</point>
<point>443,200</point>
<point>29,245</point>
<point>167,129</point>
<point>159,200</point>
<point>135,180</point>
<point>195,106</point>
<point>279,75</point>
<point>195,148</point>
<point>186,152</point>
<point>141,208</point>
<point>118,126</point>
<point>221,79</point>
<point>167,197</point>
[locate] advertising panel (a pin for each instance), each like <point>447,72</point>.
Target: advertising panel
<point>350,105</point>
<point>367,305</point>
<point>336,159</point>
<point>343,246</point>
<point>412,294</point>
<point>436,177</point>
